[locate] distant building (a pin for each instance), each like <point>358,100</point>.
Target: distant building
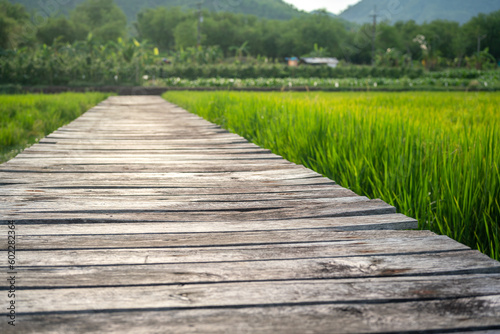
<point>292,61</point>
<point>332,62</point>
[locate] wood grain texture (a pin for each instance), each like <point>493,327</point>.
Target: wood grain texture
<point>139,217</point>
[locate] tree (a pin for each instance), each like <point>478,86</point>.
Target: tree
<point>318,29</point>
<point>157,25</point>
<point>13,18</point>
<point>318,51</point>
<point>60,29</point>
<point>484,27</point>
<point>388,37</point>
<point>441,35</point>
<point>225,30</point>
<point>408,31</point>
<point>185,34</point>
<point>103,18</point>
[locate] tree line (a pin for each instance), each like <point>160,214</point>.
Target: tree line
<point>435,44</point>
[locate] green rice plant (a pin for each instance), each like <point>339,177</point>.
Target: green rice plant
<point>24,119</point>
<point>435,156</point>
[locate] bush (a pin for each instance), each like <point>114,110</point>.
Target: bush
<point>282,71</point>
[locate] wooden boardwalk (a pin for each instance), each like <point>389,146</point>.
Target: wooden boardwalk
<point>139,217</point>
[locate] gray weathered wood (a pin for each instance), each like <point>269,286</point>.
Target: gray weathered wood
<point>106,227</point>
<point>230,295</point>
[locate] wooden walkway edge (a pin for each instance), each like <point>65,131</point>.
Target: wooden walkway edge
<point>139,217</point>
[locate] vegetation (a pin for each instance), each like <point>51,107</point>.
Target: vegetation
<point>486,82</point>
<point>434,45</point>
<point>83,63</point>
<point>246,71</point>
<point>13,20</point>
<point>24,119</point>
<point>435,156</point>
<point>89,63</point>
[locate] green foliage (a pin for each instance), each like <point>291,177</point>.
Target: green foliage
<point>318,51</point>
<point>486,82</point>
<point>432,155</point>
<point>127,62</point>
<point>240,50</point>
<point>483,60</point>
<point>195,56</point>
<point>447,43</point>
<point>247,71</point>
<point>24,119</point>
<point>82,63</point>
<point>275,39</point>
<point>101,18</point>
<point>485,27</point>
<point>13,18</point>
<point>402,50</point>
<point>58,29</point>
<point>157,25</point>
<point>185,34</point>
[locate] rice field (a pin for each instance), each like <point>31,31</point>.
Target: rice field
<point>433,155</point>
<point>24,119</point>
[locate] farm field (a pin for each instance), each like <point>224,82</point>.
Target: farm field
<point>433,155</point>
<point>24,119</point>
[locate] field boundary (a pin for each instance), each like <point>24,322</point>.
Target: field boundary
<point>139,90</point>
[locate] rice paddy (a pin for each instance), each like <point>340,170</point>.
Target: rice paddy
<point>24,119</point>
<point>433,155</point>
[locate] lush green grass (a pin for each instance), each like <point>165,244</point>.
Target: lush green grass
<point>26,118</point>
<point>435,156</point>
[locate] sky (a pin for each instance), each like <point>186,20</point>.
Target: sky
<point>333,6</point>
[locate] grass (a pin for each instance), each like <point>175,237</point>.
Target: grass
<point>435,156</point>
<point>24,119</point>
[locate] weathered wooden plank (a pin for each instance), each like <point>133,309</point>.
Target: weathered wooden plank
<point>104,158</point>
<point>95,274</point>
<point>156,194</point>
<point>174,135</point>
<point>150,167</point>
<point>372,207</point>
<point>227,179</point>
<point>145,189</point>
<point>179,194</point>
<point>173,140</point>
<point>262,261</point>
<point>40,152</point>
<point>47,227</point>
<point>368,240</point>
<point>166,146</point>
<point>52,204</point>
<point>233,295</point>
<point>449,315</point>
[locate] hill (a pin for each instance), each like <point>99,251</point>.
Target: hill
<point>419,10</point>
<point>272,9</point>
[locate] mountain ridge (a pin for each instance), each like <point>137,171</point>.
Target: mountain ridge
<point>271,9</point>
<point>387,10</point>
<point>420,11</point>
